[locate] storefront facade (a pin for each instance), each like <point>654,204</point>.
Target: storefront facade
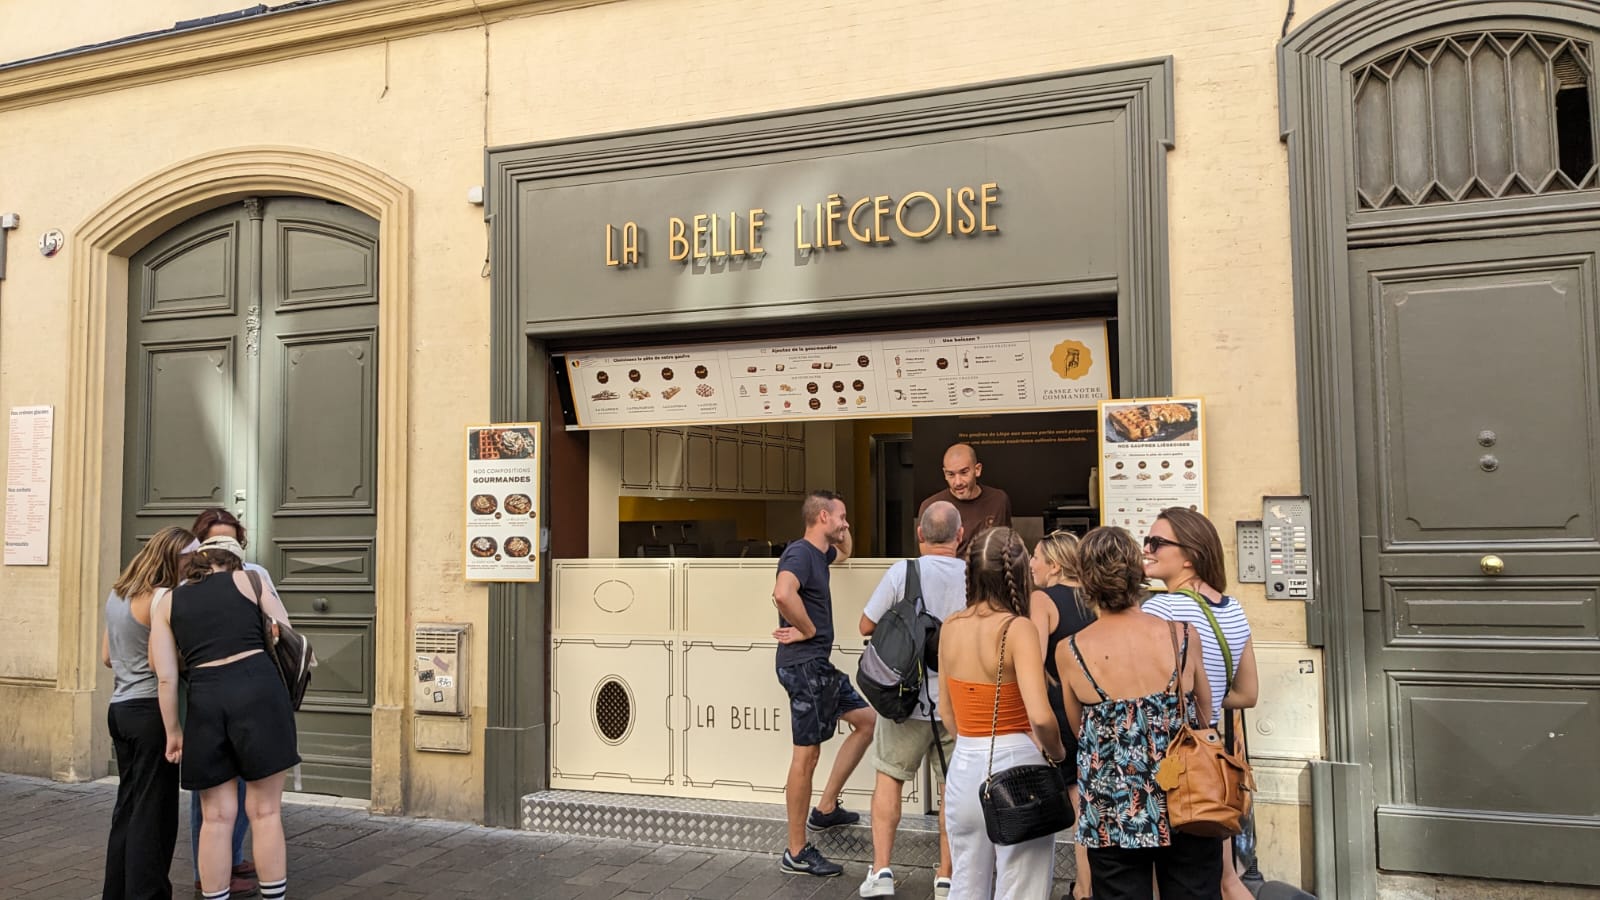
<point>978,164</point>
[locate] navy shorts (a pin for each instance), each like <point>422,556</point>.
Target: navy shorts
<point>818,695</point>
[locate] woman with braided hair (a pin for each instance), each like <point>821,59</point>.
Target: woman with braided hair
<point>992,640</point>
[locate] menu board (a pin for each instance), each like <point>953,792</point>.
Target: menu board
<point>28,486</point>
<point>1152,456</point>
<point>1009,368</point>
<point>502,536</point>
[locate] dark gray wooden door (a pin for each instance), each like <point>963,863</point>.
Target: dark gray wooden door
<point>252,384</point>
<point>1478,399</point>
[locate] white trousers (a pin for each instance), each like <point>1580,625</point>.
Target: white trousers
<point>981,869</point>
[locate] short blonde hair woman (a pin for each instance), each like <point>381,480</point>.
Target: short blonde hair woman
<point>1127,676</point>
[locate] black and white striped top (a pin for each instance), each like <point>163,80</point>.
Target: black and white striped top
<point>1235,627</point>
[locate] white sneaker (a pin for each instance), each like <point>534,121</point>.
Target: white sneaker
<point>941,888</point>
<point>879,884</point>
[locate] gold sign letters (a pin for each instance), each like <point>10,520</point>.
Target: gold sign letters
<point>832,224</point>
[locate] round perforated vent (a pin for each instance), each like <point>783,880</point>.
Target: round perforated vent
<point>613,710</point>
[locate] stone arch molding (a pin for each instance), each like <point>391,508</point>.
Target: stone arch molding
<point>91,424</point>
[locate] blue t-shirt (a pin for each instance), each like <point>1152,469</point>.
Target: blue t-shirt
<point>810,567</point>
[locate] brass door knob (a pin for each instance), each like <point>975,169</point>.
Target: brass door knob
<point>1492,565</point>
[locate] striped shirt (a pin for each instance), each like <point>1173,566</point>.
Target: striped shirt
<point>1230,616</point>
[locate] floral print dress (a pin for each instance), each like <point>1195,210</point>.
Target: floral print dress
<point>1123,742</point>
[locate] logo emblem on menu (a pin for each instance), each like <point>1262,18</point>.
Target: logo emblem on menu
<point>1070,359</point>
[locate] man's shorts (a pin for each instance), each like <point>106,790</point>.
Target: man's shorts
<point>898,748</point>
<point>818,695</point>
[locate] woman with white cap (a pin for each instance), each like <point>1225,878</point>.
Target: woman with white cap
<point>240,723</point>
<point>144,823</point>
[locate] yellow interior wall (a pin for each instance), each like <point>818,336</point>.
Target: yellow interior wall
<point>861,505</point>
<point>751,515</point>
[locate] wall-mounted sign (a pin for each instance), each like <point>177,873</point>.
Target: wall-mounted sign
<point>833,223</point>
<point>1008,368</point>
<point>1152,456</point>
<point>503,530</point>
<point>28,451</point>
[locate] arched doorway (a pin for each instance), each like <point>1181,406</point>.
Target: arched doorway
<point>1447,221</point>
<point>252,385</point>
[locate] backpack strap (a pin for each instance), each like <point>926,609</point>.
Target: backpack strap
<point>914,583</point>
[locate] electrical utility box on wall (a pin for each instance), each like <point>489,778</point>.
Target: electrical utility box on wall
<point>439,670</point>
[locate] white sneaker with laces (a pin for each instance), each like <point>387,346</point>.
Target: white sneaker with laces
<point>878,884</point>
<point>941,888</point>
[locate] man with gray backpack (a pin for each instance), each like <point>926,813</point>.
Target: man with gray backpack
<point>897,678</point>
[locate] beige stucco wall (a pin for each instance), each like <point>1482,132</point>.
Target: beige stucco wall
<point>415,108</point>
<point>27,32</point>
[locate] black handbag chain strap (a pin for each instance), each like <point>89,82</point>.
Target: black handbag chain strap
<point>999,672</point>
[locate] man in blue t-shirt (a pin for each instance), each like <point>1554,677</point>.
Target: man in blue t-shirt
<point>819,694</point>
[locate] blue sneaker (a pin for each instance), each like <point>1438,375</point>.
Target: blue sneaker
<point>821,821</point>
<point>810,861</point>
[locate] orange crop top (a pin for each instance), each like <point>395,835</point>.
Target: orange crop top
<point>973,702</point>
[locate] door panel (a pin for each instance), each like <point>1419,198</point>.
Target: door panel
<point>319,425</point>
<point>1478,403</point>
<point>253,385</point>
<point>1507,354</point>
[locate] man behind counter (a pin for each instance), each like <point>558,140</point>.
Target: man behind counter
<point>980,507</point>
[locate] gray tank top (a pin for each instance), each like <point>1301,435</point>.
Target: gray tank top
<point>130,652</point>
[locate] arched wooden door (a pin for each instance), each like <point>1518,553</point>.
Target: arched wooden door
<point>1448,250</point>
<point>252,385</point>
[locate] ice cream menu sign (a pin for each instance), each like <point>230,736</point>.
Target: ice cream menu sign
<point>28,486</point>
<point>1013,368</point>
<point>1152,456</point>
<point>502,533</point>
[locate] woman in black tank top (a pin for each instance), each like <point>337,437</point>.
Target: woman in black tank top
<point>240,723</point>
<point>1058,613</point>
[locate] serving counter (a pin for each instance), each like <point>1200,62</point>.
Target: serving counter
<point>662,678</point>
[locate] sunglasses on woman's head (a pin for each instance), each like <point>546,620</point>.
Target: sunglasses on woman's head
<point>1154,543</point>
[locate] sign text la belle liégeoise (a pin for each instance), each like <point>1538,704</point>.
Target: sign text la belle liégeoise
<point>828,225</point>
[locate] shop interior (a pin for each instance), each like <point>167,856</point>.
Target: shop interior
<point>731,490</point>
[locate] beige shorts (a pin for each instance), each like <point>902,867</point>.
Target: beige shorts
<point>898,748</point>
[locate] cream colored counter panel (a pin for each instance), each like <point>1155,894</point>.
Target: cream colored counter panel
<point>687,704</point>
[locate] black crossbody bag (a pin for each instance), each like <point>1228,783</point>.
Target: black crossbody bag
<point>1023,802</point>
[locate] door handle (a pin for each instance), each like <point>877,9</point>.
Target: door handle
<point>320,604</point>
<point>1492,565</point>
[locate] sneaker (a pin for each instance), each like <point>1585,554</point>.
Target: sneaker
<point>880,884</point>
<point>821,821</point>
<point>941,888</point>
<point>810,861</point>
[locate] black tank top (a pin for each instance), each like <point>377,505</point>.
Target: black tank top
<point>1069,621</point>
<point>211,620</point>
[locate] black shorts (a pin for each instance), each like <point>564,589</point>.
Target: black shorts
<point>818,695</point>
<point>240,724</point>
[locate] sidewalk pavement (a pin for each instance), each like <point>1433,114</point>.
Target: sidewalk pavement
<point>52,847</point>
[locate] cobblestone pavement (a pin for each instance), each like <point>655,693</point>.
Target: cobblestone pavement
<point>52,845</point>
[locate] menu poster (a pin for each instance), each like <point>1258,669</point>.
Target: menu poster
<point>502,533</point>
<point>28,486</point>
<point>1152,456</point>
<point>1007,368</point>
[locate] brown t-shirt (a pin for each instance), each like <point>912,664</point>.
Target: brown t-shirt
<point>992,507</point>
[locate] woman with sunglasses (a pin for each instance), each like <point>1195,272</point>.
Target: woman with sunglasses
<point>1185,553</point>
<point>1058,611</point>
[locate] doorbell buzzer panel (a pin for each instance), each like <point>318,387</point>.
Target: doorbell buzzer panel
<point>1286,523</point>
<point>1250,546</point>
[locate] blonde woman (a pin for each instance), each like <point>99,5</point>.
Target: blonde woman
<point>1017,716</point>
<point>1058,612</point>
<point>240,722</point>
<point>144,823</point>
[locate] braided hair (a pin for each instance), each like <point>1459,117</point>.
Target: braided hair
<point>997,571</point>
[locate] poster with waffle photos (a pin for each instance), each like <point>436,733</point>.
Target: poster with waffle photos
<point>502,533</point>
<point>1152,456</point>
